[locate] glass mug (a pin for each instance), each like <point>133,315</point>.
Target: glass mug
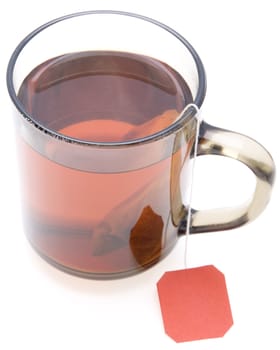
<point>105,126</point>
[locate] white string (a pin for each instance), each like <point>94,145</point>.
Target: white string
<point>191,180</point>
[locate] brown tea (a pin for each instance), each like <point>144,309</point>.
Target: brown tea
<point>99,223</point>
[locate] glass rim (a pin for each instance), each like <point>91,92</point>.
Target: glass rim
<point>189,113</point>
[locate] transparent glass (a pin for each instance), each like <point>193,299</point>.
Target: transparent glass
<point>111,207</point>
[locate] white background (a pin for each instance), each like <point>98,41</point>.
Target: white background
<point>42,308</point>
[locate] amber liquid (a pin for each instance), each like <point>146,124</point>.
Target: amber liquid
<point>91,223</point>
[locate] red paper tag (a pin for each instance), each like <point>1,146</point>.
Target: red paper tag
<point>194,304</point>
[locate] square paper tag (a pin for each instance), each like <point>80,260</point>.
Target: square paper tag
<point>194,303</point>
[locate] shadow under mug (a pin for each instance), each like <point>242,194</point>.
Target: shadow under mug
<point>111,209</point>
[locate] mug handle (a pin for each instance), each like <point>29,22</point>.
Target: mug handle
<point>217,141</point>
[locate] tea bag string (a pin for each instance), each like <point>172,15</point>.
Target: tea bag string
<point>191,179</point>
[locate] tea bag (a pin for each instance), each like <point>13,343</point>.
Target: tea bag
<point>139,214</point>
